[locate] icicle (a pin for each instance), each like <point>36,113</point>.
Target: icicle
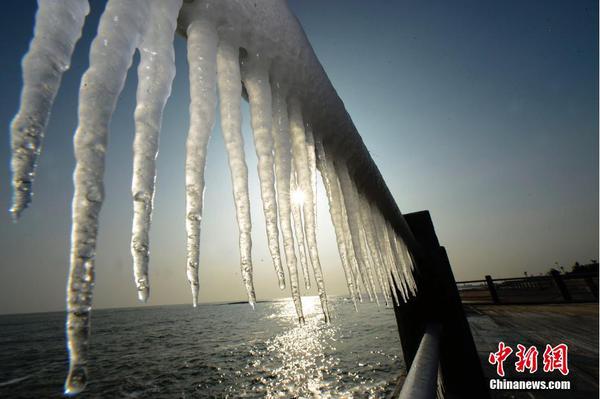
<point>354,223</point>
<point>333,195</point>
<point>392,272</point>
<point>350,246</point>
<point>155,75</point>
<point>396,279</point>
<point>403,253</point>
<point>110,58</point>
<point>386,262</point>
<point>387,235</point>
<point>230,90</point>
<point>57,28</point>
<point>202,58</point>
<point>369,265</point>
<point>408,265</point>
<point>256,80</point>
<point>373,246</point>
<point>390,283</point>
<point>408,255</point>
<point>397,248</point>
<point>123,25</point>
<point>283,166</point>
<point>312,164</point>
<point>390,277</point>
<point>296,204</point>
<point>303,172</point>
<point>398,262</point>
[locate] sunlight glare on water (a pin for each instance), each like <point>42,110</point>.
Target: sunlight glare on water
<point>301,353</point>
<point>308,366</point>
<point>223,351</point>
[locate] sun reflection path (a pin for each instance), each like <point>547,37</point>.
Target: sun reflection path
<point>301,351</point>
<point>316,359</point>
<point>302,361</point>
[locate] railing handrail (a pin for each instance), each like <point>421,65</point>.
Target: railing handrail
<point>422,378</point>
<point>525,278</point>
<point>579,275</point>
<point>470,282</point>
<point>515,284</point>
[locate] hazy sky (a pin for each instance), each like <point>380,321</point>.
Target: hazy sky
<point>483,112</point>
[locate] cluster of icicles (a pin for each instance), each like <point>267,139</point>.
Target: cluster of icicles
<point>373,256</point>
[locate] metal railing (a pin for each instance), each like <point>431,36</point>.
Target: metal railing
<point>552,288</point>
<point>437,344</point>
<point>422,379</point>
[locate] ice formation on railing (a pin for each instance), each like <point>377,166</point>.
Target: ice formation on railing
<point>58,26</point>
<point>230,89</point>
<point>235,49</point>
<point>283,170</point>
<point>202,42</point>
<point>297,200</point>
<point>155,75</point>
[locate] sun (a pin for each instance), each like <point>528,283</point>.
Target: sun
<point>298,197</point>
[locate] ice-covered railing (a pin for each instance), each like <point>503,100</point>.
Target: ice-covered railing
<point>236,48</point>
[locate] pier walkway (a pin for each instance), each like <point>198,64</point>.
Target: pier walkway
<point>573,324</point>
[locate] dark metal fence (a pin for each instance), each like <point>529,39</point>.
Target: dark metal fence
<point>552,288</point>
<point>448,347</point>
<point>437,343</point>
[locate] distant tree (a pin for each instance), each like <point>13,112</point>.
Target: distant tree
<point>590,267</point>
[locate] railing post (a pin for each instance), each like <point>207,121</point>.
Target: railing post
<point>560,283</point>
<point>589,281</point>
<point>438,301</point>
<point>492,288</point>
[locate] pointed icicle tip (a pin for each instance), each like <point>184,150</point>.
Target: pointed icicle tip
<point>143,294</point>
<point>76,381</point>
<point>14,215</point>
<point>252,305</point>
<point>16,210</point>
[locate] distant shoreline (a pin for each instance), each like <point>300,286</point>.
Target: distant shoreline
<point>143,306</point>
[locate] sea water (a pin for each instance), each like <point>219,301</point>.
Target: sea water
<point>215,350</point>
